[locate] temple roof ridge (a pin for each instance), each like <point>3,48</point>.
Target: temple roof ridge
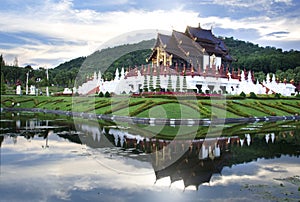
<point>201,34</point>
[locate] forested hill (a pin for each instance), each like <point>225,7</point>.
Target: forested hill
<point>106,60</point>
<point>249,56</point>
<point>72,64</point>
<point>266,59</point>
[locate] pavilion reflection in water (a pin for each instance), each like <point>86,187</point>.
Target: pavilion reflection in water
<point>195,166</point>
<point>200,159</point>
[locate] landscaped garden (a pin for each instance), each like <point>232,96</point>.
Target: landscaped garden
<point>161,107</point>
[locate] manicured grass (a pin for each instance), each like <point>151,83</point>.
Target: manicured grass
<point>172,110</point>
<point>159,107</point>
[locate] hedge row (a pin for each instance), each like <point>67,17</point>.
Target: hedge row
<point>257,106</point>
<point>44,102</point>
<point>223,107</point>
<point>137,103</point>
<point>98,106</point>
<point>116,106</point>
<point>280,107</point>
<point>123,105</point>
<point>228,108</point>
<point>147,105</point>
<point>205,111</point>
<point>199,108</point>
<point>233,108</point>
<point>296,105</point>
<point>264,109</point>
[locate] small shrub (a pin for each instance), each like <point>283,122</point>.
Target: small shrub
<point>253,95</point>
<point>107,94</point>
<point>101,94</point>
<point>277,95</point>
<point>243,94</point>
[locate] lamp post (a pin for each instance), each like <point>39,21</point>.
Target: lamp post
<point>47,88</point>
<point>27,74</point>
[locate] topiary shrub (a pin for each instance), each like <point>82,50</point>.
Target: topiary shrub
<point>252,95</point>
<point>243,94</point>
<point>277,95</point>
<point>101,94</point>
<point>107,94</point>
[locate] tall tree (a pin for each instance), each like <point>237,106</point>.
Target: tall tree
<point>2,85</point>
<point>2,62</point>
<point>16,62</point>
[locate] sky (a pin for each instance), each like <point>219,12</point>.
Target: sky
<point>45,33</point>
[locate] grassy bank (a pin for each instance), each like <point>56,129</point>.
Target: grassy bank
<point>160,107</point>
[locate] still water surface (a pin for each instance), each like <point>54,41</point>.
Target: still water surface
<point>51,158</point>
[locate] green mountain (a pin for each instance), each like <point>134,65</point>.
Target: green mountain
<point>105,60</point>
<point>266,59</point>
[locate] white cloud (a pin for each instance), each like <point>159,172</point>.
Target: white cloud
<point>263,25</point>
<point>287,2</point>
<point>255,5</point>
<point>86,27</point>
<point>80,32</point>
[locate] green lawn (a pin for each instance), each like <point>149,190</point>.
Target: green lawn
<point>172,110</point>
<point>159,107</point>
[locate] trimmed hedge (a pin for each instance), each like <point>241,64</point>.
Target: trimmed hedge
<point>280,107</point>
<point>257,106</point>
<point>147,105</point>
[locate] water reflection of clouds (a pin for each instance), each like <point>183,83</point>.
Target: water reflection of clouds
<point>276,169</point>
<point>73,176</point>
<point>49,168</point>
<point>261,172</point>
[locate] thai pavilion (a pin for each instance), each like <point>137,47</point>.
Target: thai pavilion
<point>196,47</point>
<point>190,61</point>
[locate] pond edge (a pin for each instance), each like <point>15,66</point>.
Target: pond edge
<point>156,121</point>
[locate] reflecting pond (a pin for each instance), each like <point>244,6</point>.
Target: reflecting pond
<point>54,158</point>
